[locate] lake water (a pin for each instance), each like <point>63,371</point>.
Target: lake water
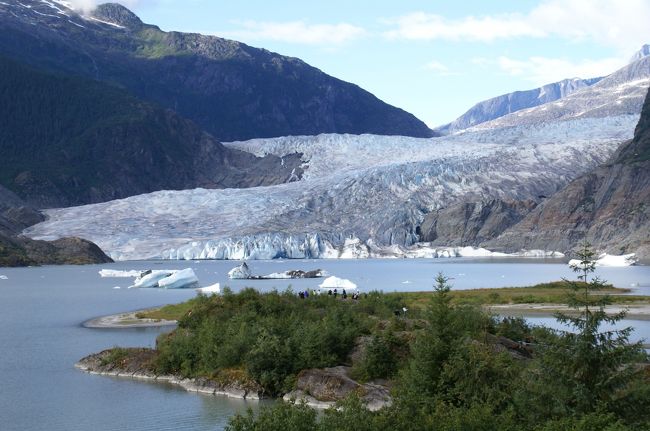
<point>41,337</point>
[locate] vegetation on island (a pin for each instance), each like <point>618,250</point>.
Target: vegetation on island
<point>445,359</point>
<point>542,293</point>
<point>586,378</point>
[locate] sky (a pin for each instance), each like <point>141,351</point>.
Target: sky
<point>432,58</point>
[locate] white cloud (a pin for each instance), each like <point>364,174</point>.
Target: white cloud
<point>619,24</point>
<point>437,67</point>
<point>297,32</point>
<point>423,26</point>
<point>544,70</point>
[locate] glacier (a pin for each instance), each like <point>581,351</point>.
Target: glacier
<point>360,195</point>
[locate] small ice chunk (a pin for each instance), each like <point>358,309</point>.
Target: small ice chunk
<point>240,272</point>
<point>214,288</point>
<point>406,282</point>
<point>116,287</point>
<point>337,283</point>
<point>115,273</point>
<point>179,279</point>
<point>4,277</point>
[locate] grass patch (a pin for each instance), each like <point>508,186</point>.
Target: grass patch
<point>116,357</point>
<point>543,293</point>
<point>168,312</point>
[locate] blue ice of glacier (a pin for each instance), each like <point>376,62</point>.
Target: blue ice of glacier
<point>360,196</point>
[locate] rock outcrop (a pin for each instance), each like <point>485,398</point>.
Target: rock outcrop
<point>609,206</point>
<point>136,363</point>
<point>322,388</point>
<point>470,223</point>
<point>16,250</point>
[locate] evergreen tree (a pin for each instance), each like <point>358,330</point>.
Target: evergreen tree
<point>588,368</point>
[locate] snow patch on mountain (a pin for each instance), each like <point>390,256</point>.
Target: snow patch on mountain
<point>505,104</point>
<point>620,93</point>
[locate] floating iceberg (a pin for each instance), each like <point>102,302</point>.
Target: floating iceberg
<point>179,279</point>
<point>167,278</point>
<point>152,278</point>
<point>116,273</point>
<point>4,277</point>
<point>609,260</point>
<point>337,283</point>
<point>292,274</point>
<point>214,288</point>
<point>240,272</point>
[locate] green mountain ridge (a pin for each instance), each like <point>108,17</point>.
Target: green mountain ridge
<point>70,141</point>
<point>230,89</point>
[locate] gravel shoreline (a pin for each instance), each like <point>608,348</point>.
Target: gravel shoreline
<point>634,311</point>
<point>126,320</point>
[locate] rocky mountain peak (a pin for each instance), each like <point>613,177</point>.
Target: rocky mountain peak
<point>643,52</point>
<point>117,14</point>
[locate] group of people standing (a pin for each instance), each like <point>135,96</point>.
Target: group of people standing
<point>355,295</point>
<point>305,294</point>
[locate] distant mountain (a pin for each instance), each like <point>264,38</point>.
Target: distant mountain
<point>15,214</point>
<point>521,103</point>
<point>229,89</point>
<point>67,140</point>
<point>643,52</point>
<point>512,102</point>
<point>620,93</point>
<point>609,206</point>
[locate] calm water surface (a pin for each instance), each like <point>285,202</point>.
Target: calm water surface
<point>41,311</point>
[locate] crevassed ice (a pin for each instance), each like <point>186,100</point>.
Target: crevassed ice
<point>361,196</point>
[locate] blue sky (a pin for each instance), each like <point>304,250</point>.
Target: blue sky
<point>434,59</point>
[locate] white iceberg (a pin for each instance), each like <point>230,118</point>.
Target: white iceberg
<point>291,274</point>
<point>116,273</point>
<point>240,272</point>
<point>151,279</point>
<point>333,282</point>
<point>179,279</point>
<point>214,288</point>
<point>4,277</point>
<point>609,260</point>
